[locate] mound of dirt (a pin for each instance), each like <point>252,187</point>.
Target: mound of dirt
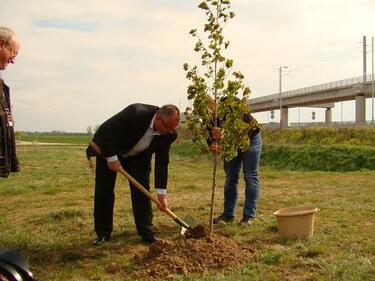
<point>196,232</point>
<point>191,255</point>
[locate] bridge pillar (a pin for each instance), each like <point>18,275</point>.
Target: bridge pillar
<point>328,113</point>
<point>360,108</point>
<point>284,117</point>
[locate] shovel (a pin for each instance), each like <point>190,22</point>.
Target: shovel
<point>184,225</point>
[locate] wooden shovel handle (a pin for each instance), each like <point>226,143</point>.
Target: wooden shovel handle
<point>144,190</point>
<point>139,186</point>
<point>129,177</point>
<point>152,198</point>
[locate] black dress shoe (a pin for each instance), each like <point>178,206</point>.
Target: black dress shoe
<point>100,240</point>
<point>149,238</point>
<point>224,218</point>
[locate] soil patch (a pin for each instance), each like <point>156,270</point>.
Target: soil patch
<point>205,253</point>
<point>196,232</point>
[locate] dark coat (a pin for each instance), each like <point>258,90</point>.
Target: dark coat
<point>120,133</point>
<point>8,158</point>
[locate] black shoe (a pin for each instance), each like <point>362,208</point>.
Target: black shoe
<point>100,240</point>
<point>149,238</point>
<point>246,220</point>
<point>223,218</point>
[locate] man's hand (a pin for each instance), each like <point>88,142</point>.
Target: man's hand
<point>216,133</point>
<point>92,164</point>
<point>215,147</point>
<point>114,165</point>
<point>163,202</point>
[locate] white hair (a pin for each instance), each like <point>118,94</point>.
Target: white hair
<point>6,34</point>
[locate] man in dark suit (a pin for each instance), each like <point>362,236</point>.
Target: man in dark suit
<point>129,139</point>
<point>9,47</point>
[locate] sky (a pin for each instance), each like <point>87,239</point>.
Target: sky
<point>83,61</point>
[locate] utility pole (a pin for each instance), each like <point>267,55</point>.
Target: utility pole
<point>280,91</point>
<point>364,59</point>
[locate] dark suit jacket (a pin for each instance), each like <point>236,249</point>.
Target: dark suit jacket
<point>8,158</point>
<point>120,133</point>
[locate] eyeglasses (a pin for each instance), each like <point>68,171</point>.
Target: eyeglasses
<point>11,50</point>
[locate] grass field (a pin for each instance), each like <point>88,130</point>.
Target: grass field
<point>46,213</point>
<point>49,138</point>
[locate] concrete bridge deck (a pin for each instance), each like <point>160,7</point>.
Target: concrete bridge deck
<point>322,95</point>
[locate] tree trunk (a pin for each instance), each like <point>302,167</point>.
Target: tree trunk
<point>213,193</point>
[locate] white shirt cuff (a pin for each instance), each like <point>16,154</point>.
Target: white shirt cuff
<point>112,158</point>
<point>161,191</point>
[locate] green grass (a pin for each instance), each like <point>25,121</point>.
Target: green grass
<point>340,158</point>
<point>335,158</point>
<point>46,213</point>
<point>49,138</point>
<point>320,136</point>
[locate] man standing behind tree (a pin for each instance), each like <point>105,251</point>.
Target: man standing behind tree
<point>129,139</point>
<point>9,47</point>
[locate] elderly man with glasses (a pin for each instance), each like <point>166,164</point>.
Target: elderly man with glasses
<point>130,139</point>
<point>9,47</point>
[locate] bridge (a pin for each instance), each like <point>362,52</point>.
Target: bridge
<point>322,95</point>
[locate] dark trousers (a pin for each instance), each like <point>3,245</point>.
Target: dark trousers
<point>139,168</point>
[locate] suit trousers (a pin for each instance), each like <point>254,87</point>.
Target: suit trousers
<point>105,181</point>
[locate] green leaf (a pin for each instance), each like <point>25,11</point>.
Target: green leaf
<point>221,73</point>
<point>203,6</point>
<point>231,15</point>
<point>207,27</point>
<point>238,75</point>
<point>222,15</point>
<point>193,31</point>
<point>246,91</point>
<point>229,63</point>
<point>198,46</point>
